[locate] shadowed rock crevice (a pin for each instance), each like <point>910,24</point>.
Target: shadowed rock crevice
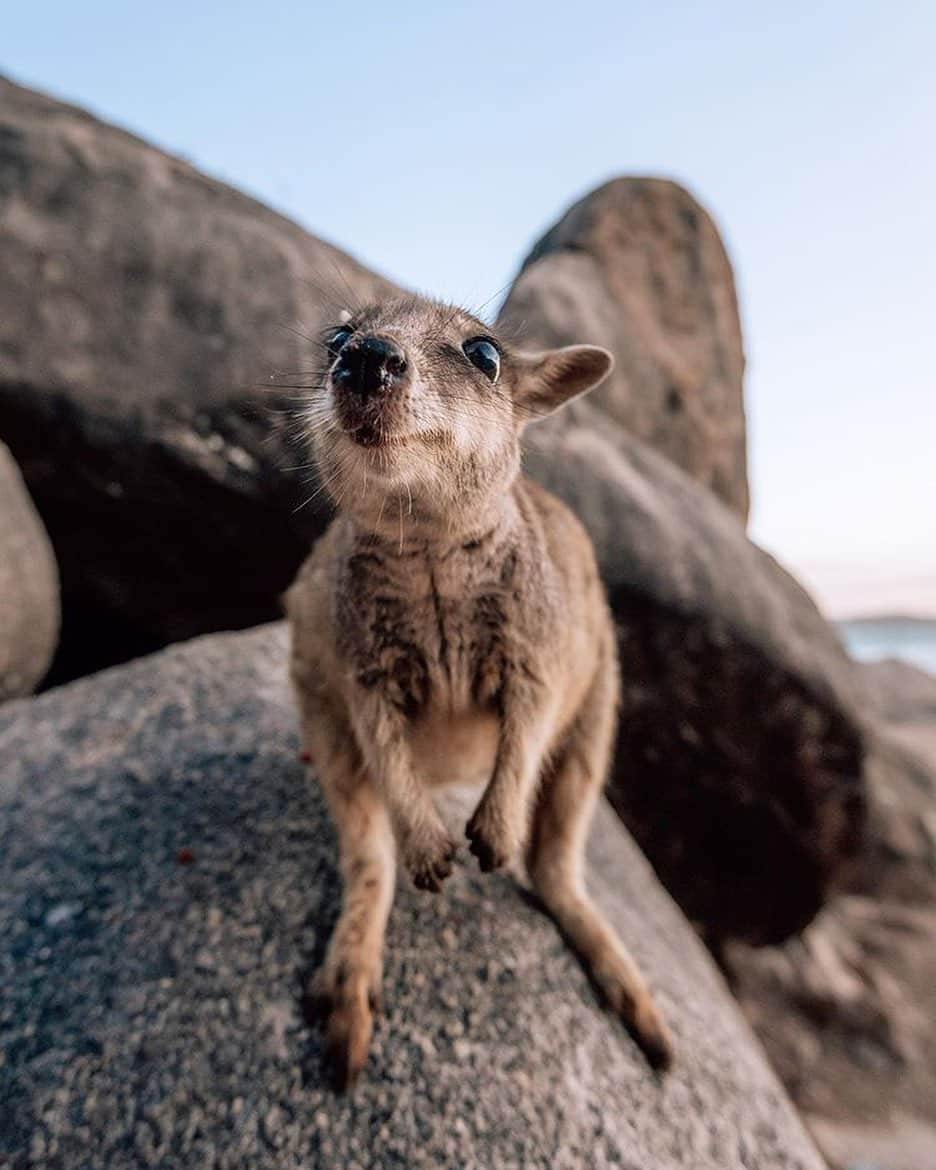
<point>744,788</point>
<point>740,765</point>
<point>158,526</point>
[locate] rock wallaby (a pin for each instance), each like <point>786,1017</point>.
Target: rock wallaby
<point>451,627</point>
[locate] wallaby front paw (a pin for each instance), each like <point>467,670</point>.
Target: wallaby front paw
<point>491,842</point>
<point>429,860</point>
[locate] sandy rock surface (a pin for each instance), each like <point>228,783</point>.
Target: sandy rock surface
<point>167,879</point>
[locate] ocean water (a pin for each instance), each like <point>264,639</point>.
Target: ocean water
<point>910,639</point>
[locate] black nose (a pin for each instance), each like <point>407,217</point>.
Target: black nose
<point>370,365</point>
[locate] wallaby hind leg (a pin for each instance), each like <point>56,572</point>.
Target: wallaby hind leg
<point>570,787</point>
<point>346,989</point>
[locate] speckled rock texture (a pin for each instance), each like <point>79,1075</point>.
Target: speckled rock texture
<point>638,266</point>
<point>29,595</point>
<point>167,879</point>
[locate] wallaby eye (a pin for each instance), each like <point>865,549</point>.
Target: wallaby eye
<point>483,353</point>
<point>337,339</point>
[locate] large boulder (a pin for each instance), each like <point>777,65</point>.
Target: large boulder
<point>167,879</point>
<point>639,267</point>
<point>847,1011</point>
<point>29,599</point>
<point>142,308</point>
<point>740,756</point>
<point>741,751</point>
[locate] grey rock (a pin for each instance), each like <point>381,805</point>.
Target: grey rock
<point>741,751</point>
<point>899,860</point>
<point>740,763</point>
<point>143,308</point>
<point>121,1050</point>
<point>638,266</point>
<point>29,594</point>
<point>847,1011</point>
<point>900,692</point>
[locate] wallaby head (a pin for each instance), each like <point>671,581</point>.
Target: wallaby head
<point>421,408</point>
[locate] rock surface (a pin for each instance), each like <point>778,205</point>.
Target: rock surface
<point>142,309</point>
<point>167,875</point>
<point>740,754</point>
<point>900,693</point>
<point>639,267</point>
<point>848,1012</point>
<point>29,596</point>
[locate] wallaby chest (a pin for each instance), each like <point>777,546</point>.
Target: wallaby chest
<point>432,632</point>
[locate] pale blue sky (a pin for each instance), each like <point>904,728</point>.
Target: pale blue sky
<point>436,142</point>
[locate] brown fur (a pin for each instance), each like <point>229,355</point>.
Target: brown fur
<point>451,627</point>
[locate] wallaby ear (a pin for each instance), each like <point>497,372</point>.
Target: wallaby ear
<point>549,379</point>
